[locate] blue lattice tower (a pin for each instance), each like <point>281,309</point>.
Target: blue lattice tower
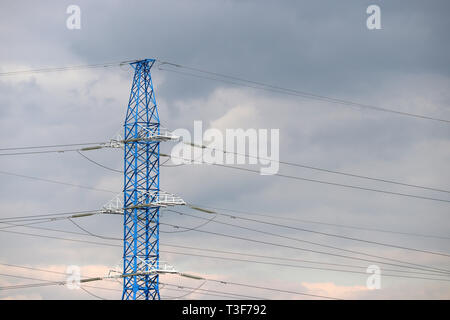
<point>141,188</point>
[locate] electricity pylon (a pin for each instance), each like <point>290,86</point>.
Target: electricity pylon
<point>141,193</point>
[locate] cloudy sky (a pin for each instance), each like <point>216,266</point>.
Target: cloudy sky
<point>321,47</point>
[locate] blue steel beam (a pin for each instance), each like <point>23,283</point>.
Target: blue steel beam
<point>141,187</point>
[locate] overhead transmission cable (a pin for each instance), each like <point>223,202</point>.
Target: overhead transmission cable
<point>325,223</point>
<point>314,243</point>
<point>317,232</point>
<point>215,76</point>
<point>279,258</point>
<point>114,245</point>
<point>320,181</point>
<point>276,174</point>
<point>246,239</point>
<point>407,264</point>
<point>67,68</point>
<point>299,165</point>
<point>430,272</point>
<point>56,182</point>
<point>83,280</point>
<point>86,232</point>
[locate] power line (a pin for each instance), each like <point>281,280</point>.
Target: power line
<point>324,233</point>
<point>51,283</point>
<point>59,238</point>
<point>299,165</point>
<point>232,80</point>
<point>109,238</point>
<point>84,285</point>
<point>56,182</point>
<point>339,184</point>
<point>67,68</point>
<point>107,244</point>
<point>329,224</point>
<point>92,294</point>
<point>304,267</point>
<point>99,164</point>
<point>278,258</point>
<point>251,229</point>
<point>209,292</point>
<point>246,254</point>
<point>313,243</point>
<point>51,215</point>
<point>204,291</point>
<point>267,87</point>
<point>189,229</point>
<point>92,234</point>
<point>52,146</point>
<point>221,150</point>
<point>420,267</point>
<point>268,288</point>
<point>411,265</point>
<point>37,152</point>
<point>228,236</point>
<point>255,171</point>
<point>323,182</point>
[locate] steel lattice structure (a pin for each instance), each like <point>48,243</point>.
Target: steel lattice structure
<point>141,188</point>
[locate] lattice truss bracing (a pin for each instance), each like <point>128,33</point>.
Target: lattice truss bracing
<point>141,187</point>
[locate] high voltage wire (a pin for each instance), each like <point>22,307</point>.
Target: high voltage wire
<point>267,87</point>
<point>98,164</point>
<point>412,265</point>
<point>429,269</point>
<point>67,68</point>
<point>59,238</point>
<point>56,182</point>
<point>51,283</point>
<point>50,215</point>
<point>327,223</point>
<point>338,184</point>
<point>216,76</point>
<point>248,170</point>
<point>270,289</point>
<point>208,220</point>
<point>37,152</point>
<point>110,238</point>
<point>90,286</point>
<point>165,285</point>
<point>92,294</point>
<point>305,267</point>
<point>255,171</point>
<point>239,211</point>
<point>246,254</point>
<point>320,181</point>
<point>224,151</point>
<point>310,242</point>
<point>252,220</point>
<point>320,233</point>
<point>91,234</point>
<point>299,165</point>
<point>261,231</point>
<point>51,146</point>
